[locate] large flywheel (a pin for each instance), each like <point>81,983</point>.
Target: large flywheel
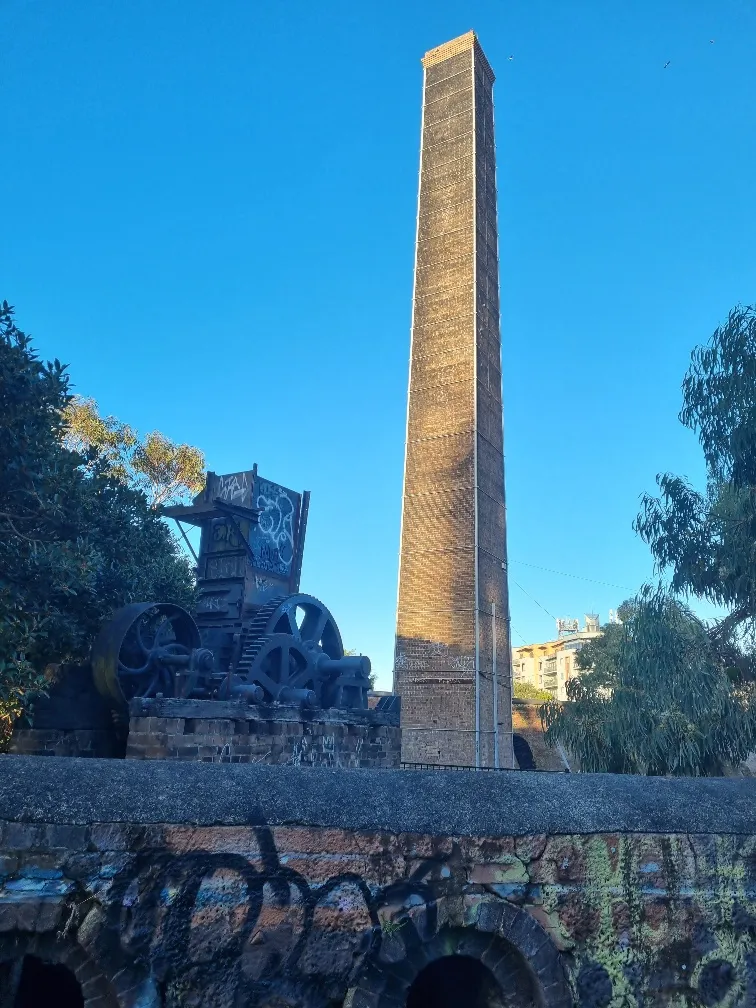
<point>284,667</point>
<point>304,618</point>
<point>290,652</point>
<point>149,648</point>
<point>293,650</point>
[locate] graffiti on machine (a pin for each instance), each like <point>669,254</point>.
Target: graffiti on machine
<point>253,636</point>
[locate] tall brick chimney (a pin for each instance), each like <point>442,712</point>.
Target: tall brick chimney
<point>452,660</point>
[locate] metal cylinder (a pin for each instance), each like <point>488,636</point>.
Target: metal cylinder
<point>349,663</point>
<point>251,692</point>
<point>306,697</point>
<point>177,660</point>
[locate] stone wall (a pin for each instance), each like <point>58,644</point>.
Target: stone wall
<point>72,720</point>
<point>82,742</point>
<point>212,731</point>
<point>163,885</point>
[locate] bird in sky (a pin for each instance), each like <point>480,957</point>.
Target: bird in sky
<point>667,64</point>
<point>711,40</point>
<point>511,57</point>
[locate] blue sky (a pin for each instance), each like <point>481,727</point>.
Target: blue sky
<point>209,211</point>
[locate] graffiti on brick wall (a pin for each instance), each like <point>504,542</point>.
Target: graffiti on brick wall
<point>241,927</point>
<point>641,920</point>
<point>416,655</point>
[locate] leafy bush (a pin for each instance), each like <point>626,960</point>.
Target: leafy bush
<point>527,691</point>
<point>76,542</point>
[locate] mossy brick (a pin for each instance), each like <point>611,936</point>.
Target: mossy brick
<point>500,873</point>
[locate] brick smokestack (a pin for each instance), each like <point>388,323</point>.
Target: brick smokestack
<point>452,642</point>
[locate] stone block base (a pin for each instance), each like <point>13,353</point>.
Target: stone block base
<point>94,742</point>
<point>213,731</point>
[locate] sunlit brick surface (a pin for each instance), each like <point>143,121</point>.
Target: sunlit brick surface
<point>453,522</point>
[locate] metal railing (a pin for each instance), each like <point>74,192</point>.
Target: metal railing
<point>450,766</point>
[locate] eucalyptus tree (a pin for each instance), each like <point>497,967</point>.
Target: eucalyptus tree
<point>164,471</point>
<point>705,540</point>
<point>665,693</point>
<point>656,698</point>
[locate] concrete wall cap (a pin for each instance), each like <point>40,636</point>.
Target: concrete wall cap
<point>451,803</point>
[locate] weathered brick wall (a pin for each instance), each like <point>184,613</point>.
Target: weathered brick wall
<point>526,722</point>
<point>218,732</point>
<point>271,911</point>
<point>453,551</point>
<point>72,720</point>
<point>230,915</point>
<point>93,742</point>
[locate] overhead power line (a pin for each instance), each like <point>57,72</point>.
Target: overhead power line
<point>579,577</point>
<point>515,630</point>
<point>533,599</point>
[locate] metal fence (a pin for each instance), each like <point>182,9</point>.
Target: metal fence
<point>451,766</point>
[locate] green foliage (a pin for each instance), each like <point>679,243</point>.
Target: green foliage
<point>705,540</point>
<point>663,693</point>
<point>527,691</point>
<point>75,541</point>
<point>601,654</point>
<point>719,399</point>
<point>658,699</point>
<point>165,472</point>
<point>19,684</point>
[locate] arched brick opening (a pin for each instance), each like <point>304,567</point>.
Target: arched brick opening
<point>523,754</point>
<point>516,965</point>
<point>29,963</point>
<point>453,981</point>
<point>44,983</point>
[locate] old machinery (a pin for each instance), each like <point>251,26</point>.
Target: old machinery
<point>253,636</point>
